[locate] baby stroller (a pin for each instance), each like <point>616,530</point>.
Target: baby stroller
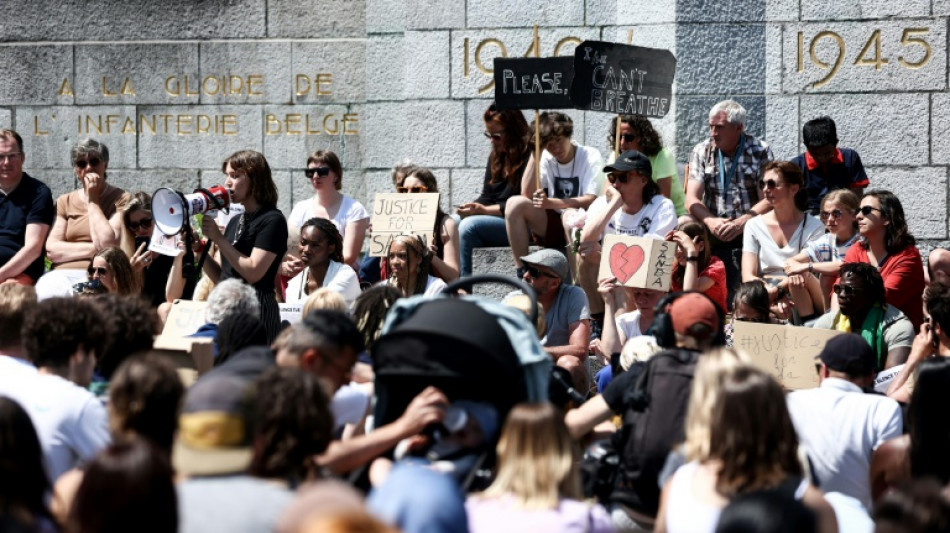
<point>471,348</point>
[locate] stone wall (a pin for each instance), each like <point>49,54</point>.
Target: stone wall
<point>173,87</point>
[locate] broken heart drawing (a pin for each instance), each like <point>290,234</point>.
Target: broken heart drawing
<point>625,261</point>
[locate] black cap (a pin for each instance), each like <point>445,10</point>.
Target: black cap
<point>849,353</point>
<point>631,160</point>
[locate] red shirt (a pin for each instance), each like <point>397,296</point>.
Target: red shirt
<point>903,274</point>
<point>716,271</point>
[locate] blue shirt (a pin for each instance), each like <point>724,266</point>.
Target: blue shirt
<point>844,172</point>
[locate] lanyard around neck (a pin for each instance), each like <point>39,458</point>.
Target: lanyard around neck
<point>733,168</point>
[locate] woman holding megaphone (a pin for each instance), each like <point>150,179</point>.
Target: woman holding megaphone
<point>253,244</point>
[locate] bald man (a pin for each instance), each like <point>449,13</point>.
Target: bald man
<point>938,266</point>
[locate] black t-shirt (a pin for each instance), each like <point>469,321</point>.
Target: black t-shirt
<point>30,203</point>
<point>499,192</point>
<point>266,229</point>
<point>621,386</point>
<point>156,277</point>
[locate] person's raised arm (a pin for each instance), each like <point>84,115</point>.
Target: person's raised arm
<point>104,232</point>
<point>585,418</point>
<point>32,248</point>
<point>449,264</point>
<point>610,341</point>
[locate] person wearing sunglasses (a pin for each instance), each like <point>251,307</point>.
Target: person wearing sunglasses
<point>886,244</point>
<point>824,255</point>
<point>111,267</point>
<point>826,167</point>
<point>567,171</point>
<point>637,133</point>
<point>444,243</point>
<point>26,214</point>
<point>862,309</point>
<point>631,205</point>
<point>159,275</point>
<point>87,220</point>
<point>722,189</point>
<point>325,173</point>
<point>773,238</point>
<point>482,221</point>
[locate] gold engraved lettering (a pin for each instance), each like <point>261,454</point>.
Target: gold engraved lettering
<point>310,130</point>
<point>305,79</point>
<point>336,125</point>
<point>65,89</point>
<point>203,124</point>
<point>127,87</point>
<point>821,64</point>
<point>173,86</point>
<point>144,123</point>
<point>229,125</point>
<point>348,119</point>
<point>323,78</point>
<point>188,91</point>
<point>801,52</point>
<point>36,127</point>
<point>252,80</point>
<point>239,85</point>
<point>291,120</point>
<point>213,89</point>
<point>183,124</point>
<point>110,121</point>
<point>566,41</point>
<point>105,88</point>
<point>482,68</point>
<point>128,126</point>
<point>465,71</point>
<point>272,125</point>
<point>877,61</point>
<point>914,37</point>
<point>93,123</point>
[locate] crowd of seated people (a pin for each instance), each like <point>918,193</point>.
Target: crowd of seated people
<point>685,433</point>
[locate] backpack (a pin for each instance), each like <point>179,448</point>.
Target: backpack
<point>654,421</point>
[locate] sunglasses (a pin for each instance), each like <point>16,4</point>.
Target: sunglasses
<point>318,171</point>
<point>769,184</point>
<point>102,271</point>
<point>494,136</point>
<point>835,214</point>
<point>615,177</point>
<point>535,273</point>
<point>145,223</point>
<point>627,137</point>
<point>866,210</point>
<point>417,188</point>
<point>92,162</point>
<point>846,290</point>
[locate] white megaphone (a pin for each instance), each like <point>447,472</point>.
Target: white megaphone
<point>171,208</point>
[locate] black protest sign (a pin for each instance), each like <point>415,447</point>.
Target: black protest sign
<point>533,82</point>
<point>623,79</point>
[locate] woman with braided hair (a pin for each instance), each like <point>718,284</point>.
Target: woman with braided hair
<point>321,251</point>
<point>408,262</point>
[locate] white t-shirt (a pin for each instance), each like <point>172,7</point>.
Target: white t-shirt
<point>340,278</point>
<point>349,404</point>
<point>433,286</point>
<point>629,324</point>
<point>756,239</point>
<point>574,178</point>
<point>71,423</point>
<point>350,211</point>
<point>655,219</point>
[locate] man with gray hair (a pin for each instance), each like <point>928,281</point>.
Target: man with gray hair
<point>229,297</point>
<point>722,189</point>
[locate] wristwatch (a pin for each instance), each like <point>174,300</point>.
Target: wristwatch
<point>692,258</point>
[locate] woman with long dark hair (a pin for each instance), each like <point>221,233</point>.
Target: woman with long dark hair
<point>886,244</point>
<point>253,244</point>
<point>321,251</point>
<point>483,220</point>
<point>772,239</point>
<point>696,269</point>
<point>112,269</point>
<point>407,262</point>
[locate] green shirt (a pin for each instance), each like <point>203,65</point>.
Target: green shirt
<point>663,166</point>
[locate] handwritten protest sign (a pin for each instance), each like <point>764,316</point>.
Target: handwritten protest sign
<point>623,79</point>
<point>786,352</point>
<point>185,317</point>
<point>533,82</point>
<point>401,214</point>
<point>638,261</point>
<point>291,312</point>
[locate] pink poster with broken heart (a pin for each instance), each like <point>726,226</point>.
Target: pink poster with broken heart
<point>638,261</point>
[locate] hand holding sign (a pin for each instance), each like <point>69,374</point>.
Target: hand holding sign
<point>401,214</point>
<point>638,261</point>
